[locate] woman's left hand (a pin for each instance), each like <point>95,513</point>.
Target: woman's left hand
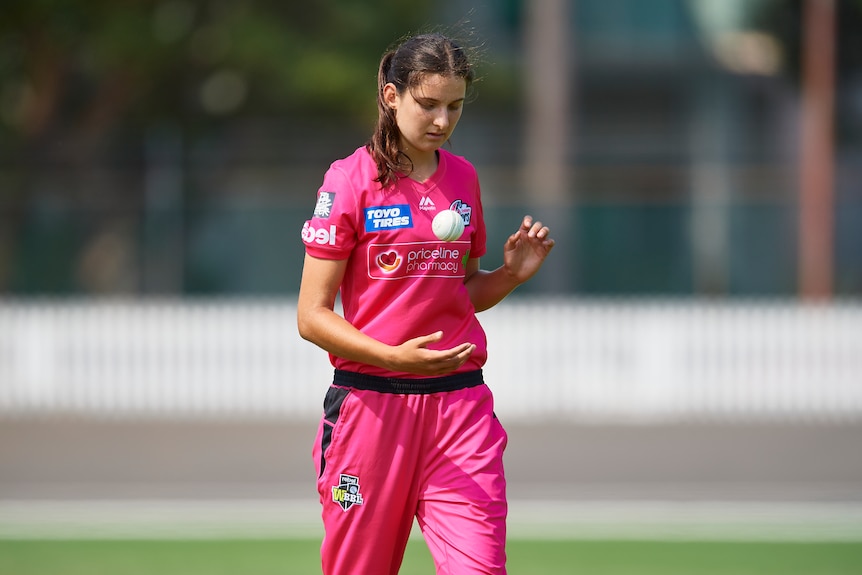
<point>526,250</point>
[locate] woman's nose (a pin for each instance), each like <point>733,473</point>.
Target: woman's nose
<point>441,119</point>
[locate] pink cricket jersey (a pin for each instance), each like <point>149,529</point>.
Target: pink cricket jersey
<point>401,282</point>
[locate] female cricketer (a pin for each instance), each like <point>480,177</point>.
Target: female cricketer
<point>408,430</point>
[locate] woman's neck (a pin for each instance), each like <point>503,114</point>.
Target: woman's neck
<point>423,167</point>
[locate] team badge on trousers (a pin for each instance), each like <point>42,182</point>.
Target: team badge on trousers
<point>346,493</point>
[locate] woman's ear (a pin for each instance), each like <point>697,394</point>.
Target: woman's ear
<point>390,95</point>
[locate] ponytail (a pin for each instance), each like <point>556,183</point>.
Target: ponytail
<point>384,142</point>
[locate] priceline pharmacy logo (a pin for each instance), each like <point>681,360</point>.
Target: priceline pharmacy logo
<point>417,259</point>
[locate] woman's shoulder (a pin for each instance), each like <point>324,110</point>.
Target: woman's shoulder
<point>454,158</point>
<point>359,160</point>
<point>457,165</point>
<point>355,171</point>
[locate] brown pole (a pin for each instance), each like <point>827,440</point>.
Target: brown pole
<point>817,150</point>
<point>548,100</point>
<point>548,131</point>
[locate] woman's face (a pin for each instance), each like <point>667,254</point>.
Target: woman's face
<point>427,115</point>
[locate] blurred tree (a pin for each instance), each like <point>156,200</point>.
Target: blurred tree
<point>83,85</point>
<point>89,67</point>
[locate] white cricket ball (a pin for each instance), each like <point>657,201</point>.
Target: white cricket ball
<point>448,225</point>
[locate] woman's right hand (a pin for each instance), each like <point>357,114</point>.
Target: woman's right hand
<point>413,356</point>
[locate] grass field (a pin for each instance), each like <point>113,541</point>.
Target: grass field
<point>527,557</point>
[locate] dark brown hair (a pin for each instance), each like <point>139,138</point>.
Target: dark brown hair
<point>405,66</point>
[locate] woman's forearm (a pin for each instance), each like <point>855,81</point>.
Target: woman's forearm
<point>331,332</point>
<point>488,288</point>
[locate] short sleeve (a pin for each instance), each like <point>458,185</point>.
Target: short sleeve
<point>331,231</point>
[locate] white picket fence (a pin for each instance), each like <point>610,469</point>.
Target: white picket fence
<point>551,359</point>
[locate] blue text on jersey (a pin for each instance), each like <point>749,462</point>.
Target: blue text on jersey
<point>379,218</point>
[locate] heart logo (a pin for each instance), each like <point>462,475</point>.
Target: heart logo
<point>389,261</point>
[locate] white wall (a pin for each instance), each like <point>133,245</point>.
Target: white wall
<point>550,359</point>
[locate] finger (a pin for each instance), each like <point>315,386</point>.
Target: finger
<point>465,355</point>
<point>424,340</point>
<point>512,240</point>
<point>543,232</point>
<point>449,360</point>
<point>459,350</point>
<point>457,360</point>
<point>535,229</point>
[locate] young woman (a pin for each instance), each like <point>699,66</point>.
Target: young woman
<point>408,430</point>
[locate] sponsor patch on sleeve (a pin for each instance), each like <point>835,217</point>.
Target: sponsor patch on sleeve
<point>324,204</point>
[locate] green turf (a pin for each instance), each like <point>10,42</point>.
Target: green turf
<point>289,557</point>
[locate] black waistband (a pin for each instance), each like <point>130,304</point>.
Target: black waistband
<point>422,385</point>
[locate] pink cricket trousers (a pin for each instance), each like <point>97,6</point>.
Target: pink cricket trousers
<point>391,450</point>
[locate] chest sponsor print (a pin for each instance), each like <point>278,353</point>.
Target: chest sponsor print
<point>418,259</point>
<point>380,218</point>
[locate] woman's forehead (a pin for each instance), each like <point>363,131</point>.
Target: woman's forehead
<point>440,87</point>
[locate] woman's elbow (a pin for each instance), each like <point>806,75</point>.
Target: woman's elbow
<point>305,325</point>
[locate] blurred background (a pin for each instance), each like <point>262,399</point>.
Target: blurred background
<point>174,147</point>
<point>695,337</point>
